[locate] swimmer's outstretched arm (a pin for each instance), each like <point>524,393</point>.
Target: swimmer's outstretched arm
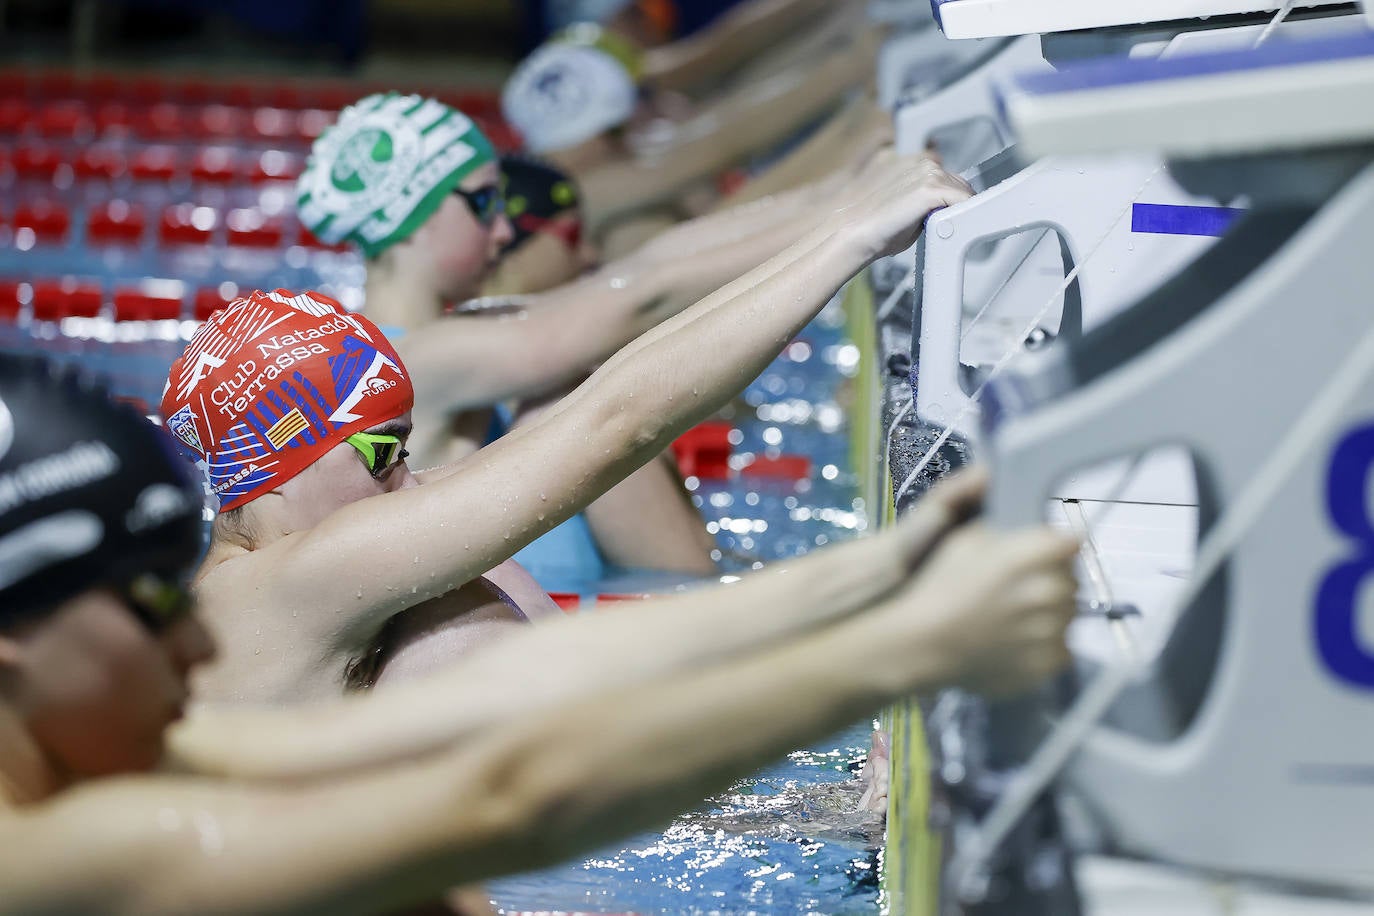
<point>754,118</point>
<point>379,556</point>
<point>847,139</point>
<point>988,611</point>
<point>732,40</point>
<point>566,659</point>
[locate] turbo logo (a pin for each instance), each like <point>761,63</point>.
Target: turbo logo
<point>1336,626</point>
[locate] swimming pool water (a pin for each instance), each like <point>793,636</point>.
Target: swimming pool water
<point>785,841</point>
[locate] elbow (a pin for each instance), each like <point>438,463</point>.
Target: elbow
<point>559,801</point>
<point>538,802</point>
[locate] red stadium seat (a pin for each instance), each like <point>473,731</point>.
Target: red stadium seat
<point>115,222</point>
<point>54,300</point>
<point>137,305</point>
<point>216,121</point>
<point>311,122</point>
<point>48,220</point>
<point>273,123</point>
<point>252,228</point>
<point>15,115</point>
<point>64,120</point>
<point>36,162</point>
<point>96,163</point>
<point>114,119</point>
<point>156,163</point>
<point>187,224</point>
<point>216,165</point>
<point>211,299</point>
<point>163,121</point>
<point>10,302</point>
<point>276,165</point>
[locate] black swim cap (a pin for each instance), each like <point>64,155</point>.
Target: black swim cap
<point>535,193</point>
<point>91,492</point>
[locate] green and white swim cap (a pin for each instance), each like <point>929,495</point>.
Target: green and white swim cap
<point>386,167</point>
<point>581,82</point>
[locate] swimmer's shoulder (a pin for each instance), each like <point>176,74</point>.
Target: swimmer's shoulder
<point>228,569</point>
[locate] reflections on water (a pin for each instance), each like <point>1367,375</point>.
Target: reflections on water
<point>790,840</point>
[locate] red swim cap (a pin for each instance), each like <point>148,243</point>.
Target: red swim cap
<point>274,381</point>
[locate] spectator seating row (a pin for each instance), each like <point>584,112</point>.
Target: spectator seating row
<point>147,89</point>
<point>167,121</point>
<point>54,299</point>
<point>120,222</point>
<point>65,164</point>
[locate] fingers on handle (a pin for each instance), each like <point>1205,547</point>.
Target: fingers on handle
<point>963,492</point>
<point>1041,546</point>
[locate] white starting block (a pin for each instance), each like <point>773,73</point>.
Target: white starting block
<point>991,18</point>
<point>1246,748</point>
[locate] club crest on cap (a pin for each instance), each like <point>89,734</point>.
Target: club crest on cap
<point>373,153</point>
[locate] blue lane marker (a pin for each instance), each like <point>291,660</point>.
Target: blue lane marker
<point>1172,219</point>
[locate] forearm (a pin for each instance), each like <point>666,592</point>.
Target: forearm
<point>726,226</point>
<point>730,41</point>
<point>821,154</point>
<point>760,115</point>
<point>677,373</point>
<point>733,129</point>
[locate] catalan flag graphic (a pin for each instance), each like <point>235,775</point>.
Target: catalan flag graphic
<point>287,428</point>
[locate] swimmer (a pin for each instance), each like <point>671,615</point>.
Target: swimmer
<point>427,249</point>
<point>338,536</point>
<point>578,101</point>
<point>697,63</point>
<point>110,805</point>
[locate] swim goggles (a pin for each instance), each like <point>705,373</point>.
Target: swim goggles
<point>156,602</point>
<point>379,451</point>
<point>486,203</point>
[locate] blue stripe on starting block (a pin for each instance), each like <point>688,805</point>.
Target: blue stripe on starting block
<point>1173,219</point>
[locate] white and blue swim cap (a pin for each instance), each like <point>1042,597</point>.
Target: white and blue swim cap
<point>580,83</point>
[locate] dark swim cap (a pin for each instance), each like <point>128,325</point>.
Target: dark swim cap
<point>535,193</point>
<point>91,492</point>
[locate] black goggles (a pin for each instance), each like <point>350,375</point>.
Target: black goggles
<point>158,603</point>
<point>486,203</point>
